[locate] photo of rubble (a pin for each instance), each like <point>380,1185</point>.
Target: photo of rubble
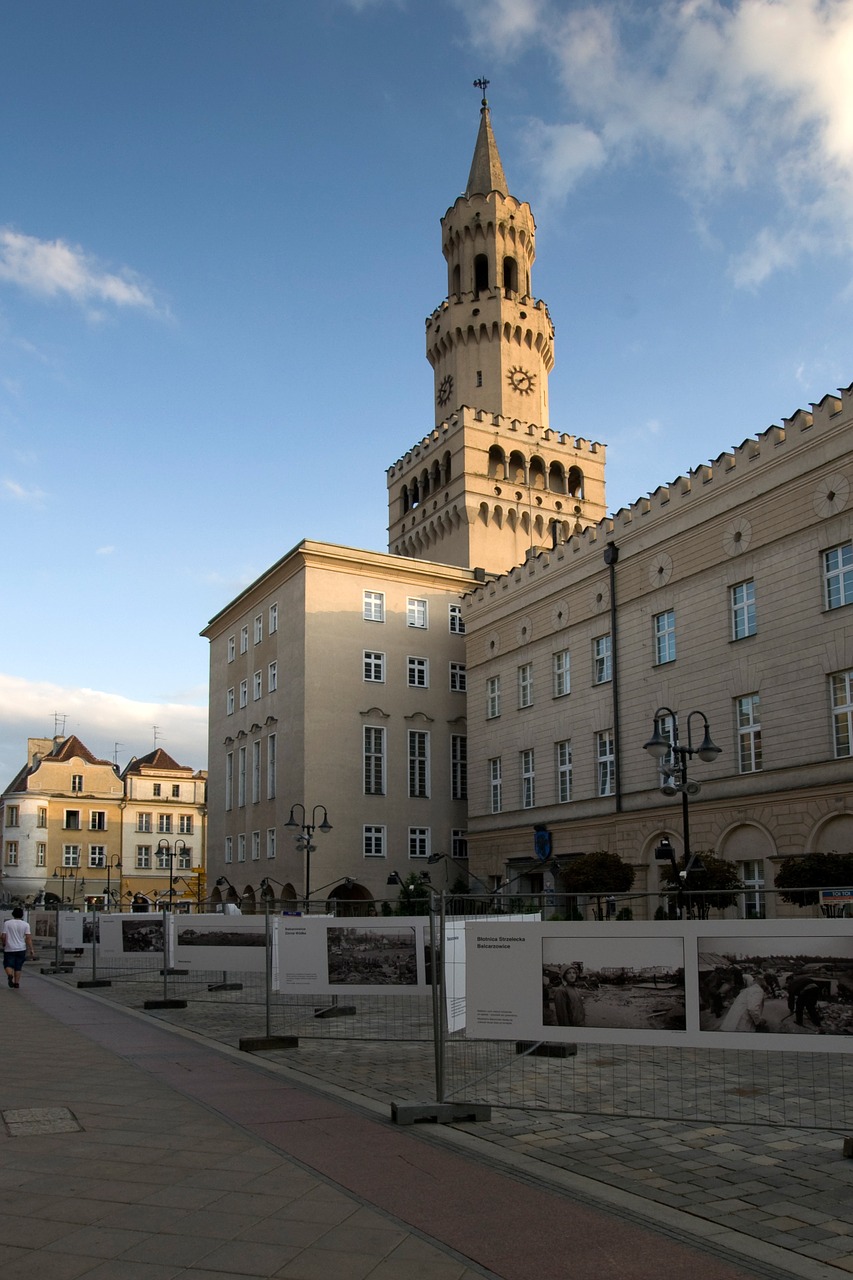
<point>635,984</point>
<point>359,956</point>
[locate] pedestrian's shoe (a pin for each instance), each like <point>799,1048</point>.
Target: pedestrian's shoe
<point>11,983</point>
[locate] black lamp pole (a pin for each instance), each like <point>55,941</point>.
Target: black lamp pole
<point>303,840</point>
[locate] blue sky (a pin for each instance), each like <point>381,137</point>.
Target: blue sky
<point>219,239</point>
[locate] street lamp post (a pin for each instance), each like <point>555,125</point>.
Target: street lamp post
<point>676,781</point>
<point>303,840</point>
<point>167,850</point>
<point>113,861</point>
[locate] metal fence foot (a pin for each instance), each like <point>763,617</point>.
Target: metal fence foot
<point>439,1112</point>
<point>255,1044</point>
<point>545,1049</point>
<point>164,1004</point>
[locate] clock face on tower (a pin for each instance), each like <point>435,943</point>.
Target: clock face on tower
<point>445,388</point>
<point>520,380</point>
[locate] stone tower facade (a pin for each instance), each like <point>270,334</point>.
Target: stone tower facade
<point>492,479</point>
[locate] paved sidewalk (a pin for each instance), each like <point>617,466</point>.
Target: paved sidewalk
<point>134,1151</point>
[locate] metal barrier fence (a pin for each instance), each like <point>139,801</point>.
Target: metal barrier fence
<point>392,1047</point>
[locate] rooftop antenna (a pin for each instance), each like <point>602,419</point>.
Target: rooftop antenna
<point>157,734</point>
<point>59,730</point>
<point>482,84</point>
<point>116,746</point>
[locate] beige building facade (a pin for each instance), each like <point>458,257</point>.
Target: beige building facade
<point>70,826</point>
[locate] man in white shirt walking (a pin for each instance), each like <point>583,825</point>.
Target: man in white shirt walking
<point>17,945</point>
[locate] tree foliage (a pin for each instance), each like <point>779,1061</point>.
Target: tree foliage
<point>801,878</point>
<point>414,897</point>
<point>597,874</point>
<point>715,887</point>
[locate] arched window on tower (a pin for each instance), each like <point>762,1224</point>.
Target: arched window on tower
<point>424,484</point>
<point>517,468</point>
<point>557,478</point>
<point>414,494</point>
<point>481,273</point>
<point>456,280</point>
<point>497,463</point>
<point>445,467</point>
<point>576,482</point>
<point>537,473</point>
<point>510,275</point>
<point>404,499</point>
<point>435,476</point>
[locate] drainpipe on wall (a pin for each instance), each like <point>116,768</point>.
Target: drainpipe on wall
<point>611,555</point>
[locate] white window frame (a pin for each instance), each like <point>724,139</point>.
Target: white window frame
<point>164,824</point>
<point>458,677</point>
<point>419,842</point>
<point>561,667</point>
<point>244,638</point>
<point>71,855</point>
<point>373,841</point>
<point>232,648</point>
<point>838,575</point>
<point>272,677</point>
<point>270,842</point>
<point>229,849</point>
<point>11,853</point>
<point>748,721</point>
<point>272,752</point>
<point>97,855</point>
<point>602,659</point>
<point>229,702</point>
<point>664,632</point>
<point>244,693</point>
<point>241,777</point>
<point>142,857</point>
<point>527,775</point>
<point>229,780</point>
<point>563,763</point>
<point>495,785</point>
<point>417,613</point>
<point>241,847</point>
<point>256,771</point>
<point>525,685</point>
<point>373,760</point>
<point>455,621</point>
<point>373,666</point>
<point>458,843</point>
<point>605,761</point>
<point>417,672</point>
<point>373,606</point>
<point>259,628</point>
<point>458,766</point>
<point>41,854</point>
<point>418,761</point>
<point>257,686</point>
<point>493,697</point>
<point>256,846</point>
<point>272,624</point>
<point>742,607</point>
<point>841,700</point>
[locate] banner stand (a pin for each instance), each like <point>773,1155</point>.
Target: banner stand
<point>256,1044</point>
<point>58,966</point>
<point>94,981</point>
<point>166,1002</point>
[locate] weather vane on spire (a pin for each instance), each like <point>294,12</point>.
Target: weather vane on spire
<point>482,84</point>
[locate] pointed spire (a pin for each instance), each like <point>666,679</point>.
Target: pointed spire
<point>487,172</point>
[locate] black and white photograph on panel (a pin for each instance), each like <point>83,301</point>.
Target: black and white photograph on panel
<point>191,935</point>
<point>635,983</point>
<point>91,929</point>
<point>141,936</point>
<point>370,956</point>
<point>784,985</point>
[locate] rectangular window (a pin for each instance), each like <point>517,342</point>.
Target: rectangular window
<point>229,780</point>
<point>418,763</point>
<point>458,677</point>
<point>97,855</point>
<point>41,817</point>
<point>72,820</point>
<point>416,613</point>
<point>742,602</point>
<point>256,846</point>
<point>11,853</point>
<point>458,766</point>
<point>259,628</point>
<point>374,666</point>
<point>184,859</point>
<point>241,777</point>
<point>270,842</point>
<point>244,693</point>
<point>185,824</point>
<point>176,791</point>
<point>273,619</point>
<point>457,622</point>
<point>664,637</point>
<point>97,820</point>
<point>373,842</point>
<point>143,822</point>
<point>602,660</point>
<point>493,697</point>
<point>458,843</point>
<point>272,677</point>
<point>162,858</point>
<point>374,761</point>
<point>562,673</point>
<point>374,606</point>
<point>41,855</point>
<point>838,575</point>
<point>76,783</point>
<point>528,779</point>
<point>143,857</point>
<point>164,824</point>
<point>752,899</point>
<point>229,849</point>
<point>13,815</point>
<point>257,686</point>
<point>418,842</point>
<point>272,747</point>
<point>241,848</point>
<point>495,785</point>
<point>606,760</point>
<point>667,766</point>
<point>525,685</point>
<point>229,702</point>
<point>748,712</point>
<point>155,790</point>
<point>244,639</point>
<point>841,692</point>
<point>232,648</point>
<point>256,772</point>
<point>71,855</point>
<point>417,672</point>
<point>564,770</point>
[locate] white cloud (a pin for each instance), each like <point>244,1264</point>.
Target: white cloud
<point>17,491</point>
<point>104,551</point>
<point>750,96</point>
<point>100,720</point>
<point>563,153</point>
<point>53,269</point>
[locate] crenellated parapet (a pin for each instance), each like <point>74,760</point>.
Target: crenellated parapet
<point>815,435</point>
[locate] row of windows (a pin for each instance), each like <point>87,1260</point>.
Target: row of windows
<point>145,854</point>
<point>144,822</point>
<point>258,631</point>
<point>417,671</point>
<point>418,763</point>
<point>374,843</point>
<point>747,709</point>
<point>417,612</point>
<point>257,688</point>
<point>247,779</point>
